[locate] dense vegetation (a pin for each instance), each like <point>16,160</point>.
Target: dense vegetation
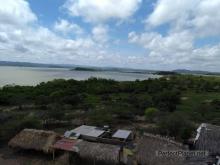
<point>174,105</point>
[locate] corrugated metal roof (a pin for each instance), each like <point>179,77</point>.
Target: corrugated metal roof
<point>95,133</point>
<point>122,134</point>
<point>67,134</point>
<point>65,144</point>
<point>86,130</point>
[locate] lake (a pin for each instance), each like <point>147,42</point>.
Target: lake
<point>33,76</point>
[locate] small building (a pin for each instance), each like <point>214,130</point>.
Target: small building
<point>65,144</point>
<point>85,132</point>
<point>98,153</point>
<point>148,147</point>
<point>208,138</point>
<point>31,139</point>
<point>200,161</point>
<point>123,135</point>
<point>85,152</point>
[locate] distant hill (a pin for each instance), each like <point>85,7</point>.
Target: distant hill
<point>112,69</point>
<point>185,71</point>
<point>166,73</point>
<point>86,69</point>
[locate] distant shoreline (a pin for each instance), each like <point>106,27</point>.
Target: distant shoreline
<point>73,67</point>
<point>108,70</point>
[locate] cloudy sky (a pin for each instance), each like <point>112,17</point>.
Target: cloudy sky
<point>147,34</point>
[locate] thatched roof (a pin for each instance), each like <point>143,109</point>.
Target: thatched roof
<point>38,140</point>
<point>98,151</point>
<point>199,161</point>
<point>148,145</point>
<point>208,138</point>
<point>195,163</point>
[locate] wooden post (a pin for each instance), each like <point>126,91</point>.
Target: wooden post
<point>53,154</point>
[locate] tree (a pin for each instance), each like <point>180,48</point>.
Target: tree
<point>141,102</point>
<point>100,117</point>
<point>176,125</point>
<point>150,114</point>
<point>167,100</point>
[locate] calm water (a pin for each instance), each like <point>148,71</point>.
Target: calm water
<point>33,76</point>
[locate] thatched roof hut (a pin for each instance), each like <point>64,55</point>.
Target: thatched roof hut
<point>31,139</point>
<point>98,152</point>
<point>200,161</point>
<point>148,147</point>
<point>208,138</point>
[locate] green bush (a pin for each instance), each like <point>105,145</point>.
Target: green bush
<point>150,114</point>
<point>176,125</point>
<point>30,122</point>
<point>100,117</point>
<point>11,128</point>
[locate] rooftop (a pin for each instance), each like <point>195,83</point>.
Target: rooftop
<point>65,144</point>
<point>122,134</point>
<point>99,151</point>
<point>148,146</point>
<point>86,131</point>
<point>208,138</point>
<point>39,140</point>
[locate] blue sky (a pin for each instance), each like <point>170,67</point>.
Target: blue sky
<point>145,34</point>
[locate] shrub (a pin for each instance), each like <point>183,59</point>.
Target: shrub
<point>150,114</point>
<point>100,117</point>
<point>176,125</point>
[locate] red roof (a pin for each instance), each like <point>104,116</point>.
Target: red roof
<point>65,144</point>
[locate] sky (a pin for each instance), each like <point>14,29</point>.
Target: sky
<point>143,34</point>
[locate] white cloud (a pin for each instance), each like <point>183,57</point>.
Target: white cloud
<point>102,10</point>
<point>3,37</point>
<point>168,10</point>
<point>26,40</point>
<point>66,27</point>
<point>188,21</point>
<point>197,15</point>
<point>16,12</point>
<point>176,50</point>
<point>171,48</point>
<point>176,41</point>
<point>100,33</point>
<point>22,41</point>
<point>207,18</point>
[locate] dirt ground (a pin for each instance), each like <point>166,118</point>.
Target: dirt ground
<point>9,156</point>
